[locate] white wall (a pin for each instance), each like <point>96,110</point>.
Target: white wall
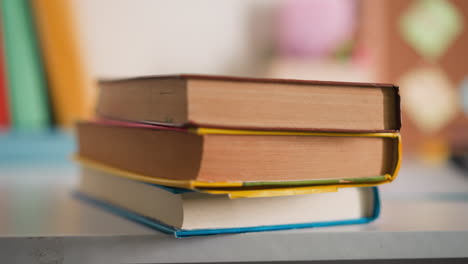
<point>144,37</point>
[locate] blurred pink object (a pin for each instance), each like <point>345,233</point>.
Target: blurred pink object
<point>314,28</point>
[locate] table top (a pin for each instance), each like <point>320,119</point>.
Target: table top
<point>424,215</point>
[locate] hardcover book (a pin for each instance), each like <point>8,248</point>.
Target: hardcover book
<point>27,88</point>
<point>4,115</point>
<point>208,159</point>
<point>186,213</point>
<point>251,103</point>
<point>70,87</point>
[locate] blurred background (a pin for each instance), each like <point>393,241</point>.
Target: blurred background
<point>53,51</point>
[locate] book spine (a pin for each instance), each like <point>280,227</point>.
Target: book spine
<point>71,88</point>
<point>26,83</point>
<point>4,116</point>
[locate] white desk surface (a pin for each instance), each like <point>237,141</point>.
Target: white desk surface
<point>424,215</point>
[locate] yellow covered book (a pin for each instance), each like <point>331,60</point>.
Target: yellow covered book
<point>70,86</point>
<point>241,163</point>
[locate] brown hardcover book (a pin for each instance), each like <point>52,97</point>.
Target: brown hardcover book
<point>188,155</point>
<point>251,103</point>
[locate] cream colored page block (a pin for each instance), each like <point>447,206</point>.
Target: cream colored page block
<point>265,211</point>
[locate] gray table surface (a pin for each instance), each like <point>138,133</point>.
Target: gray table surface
<point>425,215</point>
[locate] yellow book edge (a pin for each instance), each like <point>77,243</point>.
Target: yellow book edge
<point>220,187</point>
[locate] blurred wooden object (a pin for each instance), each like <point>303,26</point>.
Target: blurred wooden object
<point>394,57</point>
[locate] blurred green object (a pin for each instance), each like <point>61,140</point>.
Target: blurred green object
<point>431,26</point>
<point>345,50</point>
<point>26,82</point>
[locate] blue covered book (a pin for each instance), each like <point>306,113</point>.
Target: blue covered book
<point>187,213</point>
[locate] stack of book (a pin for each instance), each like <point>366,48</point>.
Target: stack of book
<point>198,154</point>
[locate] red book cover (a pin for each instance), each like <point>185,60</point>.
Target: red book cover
<point>4,120</point>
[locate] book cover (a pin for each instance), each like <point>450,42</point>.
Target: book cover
<point>254,188</point>
<point>251,103</point>
<point>4,115</point>
<point>27,92</point>
<point>177,232</point>
<point>70,87</point>
<point>151,223</point>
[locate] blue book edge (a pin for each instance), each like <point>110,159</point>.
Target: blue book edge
<point>154,224</point>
